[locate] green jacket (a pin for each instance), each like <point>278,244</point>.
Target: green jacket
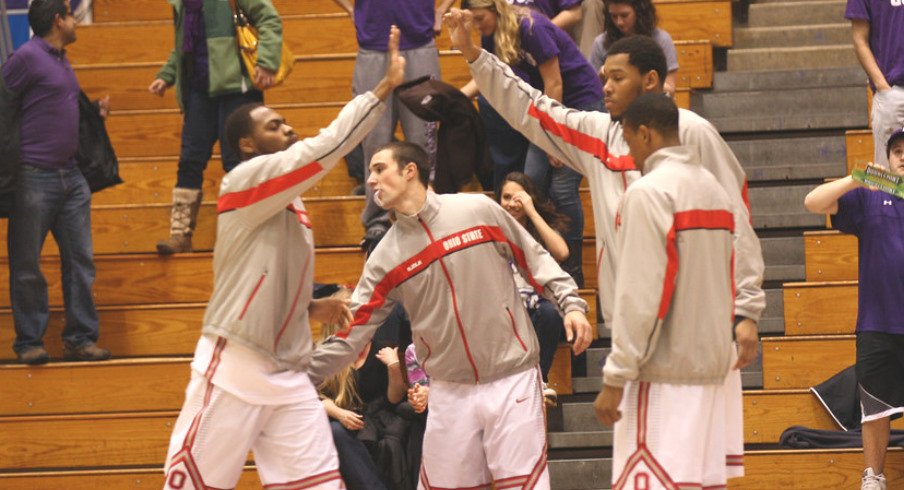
<point>226,75</point>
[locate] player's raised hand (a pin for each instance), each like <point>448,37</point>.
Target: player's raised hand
<point>577,328</point>
<point>395,70</point>
<point>460,23</point>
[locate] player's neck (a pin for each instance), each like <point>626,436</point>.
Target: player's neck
<point>412,201</point>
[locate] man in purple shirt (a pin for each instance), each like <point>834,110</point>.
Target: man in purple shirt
<point>877,27</point>
<point>877,220</point>
<point>419,21</point>
<point>51,193</point>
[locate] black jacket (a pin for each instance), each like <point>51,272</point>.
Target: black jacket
<point>96,158</point>
<point>461,142</point>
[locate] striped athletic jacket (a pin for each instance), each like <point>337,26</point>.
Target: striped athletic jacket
<point>592,144</point>
<point>263,259</point>
<point>674,287</point>
<point>449,268</point>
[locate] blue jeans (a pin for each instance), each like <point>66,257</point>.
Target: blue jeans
<point>355,464</point>
<point>506,145</point>
<point>549,326</point>
<point>56,201</point>
<point>204,123</point>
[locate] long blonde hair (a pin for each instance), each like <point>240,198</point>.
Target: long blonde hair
<point>342,387</point>
<point>507,37</point>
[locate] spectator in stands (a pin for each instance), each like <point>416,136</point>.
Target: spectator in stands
<point>521,198</point>
<point>211,82</point>
<point>626,18</point>
<point>375,378</point>
<point>419,21</point>
<point>546,57</point>
<point>876,26</point>
<point>874,217</point>
<point>249,387</point>
<point>51,193</point>
<point>446,261</point>
<point>674,299</point>
<point>565,14</point>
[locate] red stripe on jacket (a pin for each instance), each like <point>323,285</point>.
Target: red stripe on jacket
<point>268,188</point>
<point>583,141</point>
<point>695,219</point>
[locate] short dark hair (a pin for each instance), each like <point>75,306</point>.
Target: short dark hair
<point>657,111</point>
<point>404,153</point>
<point>41,14</point>
<point>239,125</point>
<point>643,53</point>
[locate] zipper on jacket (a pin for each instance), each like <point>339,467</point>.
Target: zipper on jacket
<point>253,294</point>
<point>461,328</point>
<point>515,329</point>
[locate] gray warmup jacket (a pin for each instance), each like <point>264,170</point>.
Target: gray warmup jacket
<point>263,260</point>
<point>592,144</point>
<point>449,268</point>
<point>674,289</point>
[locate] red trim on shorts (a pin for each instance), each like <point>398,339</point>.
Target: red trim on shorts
<point>643,454</point>
<point>429,353</point>
<point>734,460</point>
<point>515,329</point>
<point>184,455</point>
<point>282,329</point>
<point>308,482</point>
<point>745,196</point>
<point>268,188</point>
<point>426,483</point>
<point>303,217</point>
<point>582,141</point>
<point>253,294</point>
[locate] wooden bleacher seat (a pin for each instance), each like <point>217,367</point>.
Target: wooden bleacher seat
<point>692,20</point>
<point>313,80</point>
<point>119,479</point>
<point>820,308</point>
<point>695,64</point>
<point>805,361</point>
<point>859,146</point>
<point>810,469</point>
<point>830,256</point>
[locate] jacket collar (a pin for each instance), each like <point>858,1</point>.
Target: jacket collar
<point>678,154</point>
<point>428,211</point>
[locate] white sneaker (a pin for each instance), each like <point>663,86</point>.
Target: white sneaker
<point>872,481</point>
<point>550,395</point>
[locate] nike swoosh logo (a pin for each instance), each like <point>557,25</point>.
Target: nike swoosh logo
<point>519,400</point>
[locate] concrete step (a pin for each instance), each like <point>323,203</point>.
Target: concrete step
<point>813,157</point>
<point>783,207</point>
<point>743,81</point>
<point>580,474</point>
<point>773,319</point>
<point>789,109</point>
<point>784,258</point>
<point>792,36</point>
<point>795,13</point>
<point>588,439</point>
<point>803,57</point>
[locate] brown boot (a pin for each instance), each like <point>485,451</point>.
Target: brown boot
<point>183,218</point>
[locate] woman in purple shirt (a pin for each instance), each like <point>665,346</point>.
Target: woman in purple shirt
<point>544,56</point>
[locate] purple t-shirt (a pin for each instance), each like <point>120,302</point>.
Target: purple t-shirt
<point>877,219</point>
<point>886,34</point>
<point>414,18</point>
<point>543,41</point>
<point>551,8</point>
<point>49,89</point>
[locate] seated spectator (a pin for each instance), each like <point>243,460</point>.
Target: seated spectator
<point>874,217</point>
<point>418,381</point>
<point>626,18</point>
<point>352,399</point>
<point>544,56</point>
<point>521,198</point>
<point>565,14</point>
